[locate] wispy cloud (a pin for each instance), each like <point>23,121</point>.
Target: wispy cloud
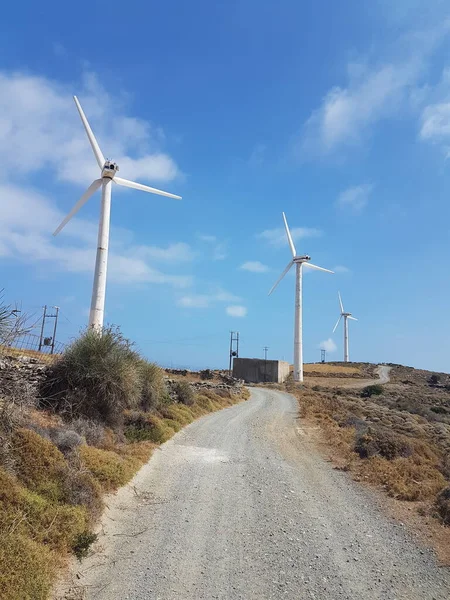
<point>25,221</point>
<point>390,85</point>
<point>219,248</point>
<point>277,237</point>
<point>328,345</point>
<point>236,311</point>
<point>207,300</point>
<point>341,269</point>
<point>254,266</point>
<point>355,198</point>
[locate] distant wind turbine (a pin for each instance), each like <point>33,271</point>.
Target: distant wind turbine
<point>108,170</point>
<point>299,261</point>
<point>346,316</point>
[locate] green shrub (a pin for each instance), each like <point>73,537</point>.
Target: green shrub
<point>82,543</point>
<point>206,374</point>
<point>184,392</point>
<point>97,377</point>
<point>372,390</point>
<point>434,379</point>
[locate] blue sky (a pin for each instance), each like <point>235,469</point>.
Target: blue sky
<point>336,113</point>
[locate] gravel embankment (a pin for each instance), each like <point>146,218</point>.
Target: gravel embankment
<point>239,506</point>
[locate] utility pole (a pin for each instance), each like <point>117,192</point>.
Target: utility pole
<point>45,341</point>
<point>234,341</point>
<point>266,348</point>
<point>41,338</point>
<point>55,316</point>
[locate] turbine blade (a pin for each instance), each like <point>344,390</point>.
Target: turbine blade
<point>281,276</point>
<point>308,264</point>
<point>143,188</point>
<point>95,147</point>
<point>84,198</point>
<point>340,302</point>
<point>338,321</point>
<point>289,237</point>
<point>352,318</point>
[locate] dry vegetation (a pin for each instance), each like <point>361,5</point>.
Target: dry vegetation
<point>91,426</point>
<point>396,436</point>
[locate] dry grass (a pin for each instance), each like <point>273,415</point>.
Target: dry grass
<point>329,368</point>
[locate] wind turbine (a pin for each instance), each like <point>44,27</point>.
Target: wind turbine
<point>108,171</point>
<point>346,317</point>
<point>298,261</point>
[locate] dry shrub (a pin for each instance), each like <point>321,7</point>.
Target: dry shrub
<point>378,441</point>
<point>66,440</point>
<point>442,505</point>
<point>93,432</point>
<point>140,426</point>
<point>27,569</point>
<point>404,478</point>
<point>97,377</point>
<point>107,467</point>
<point>30,514</point>
<point>184,392</point>
<point>153,385</point>
<point>82,489</point>
<point>179,413</point>
<point>38,463</point>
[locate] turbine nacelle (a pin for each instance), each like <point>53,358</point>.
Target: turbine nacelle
<point>109,169</point>
<point>301,259</point>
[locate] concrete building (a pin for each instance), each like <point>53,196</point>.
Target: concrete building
<point>258,370</point>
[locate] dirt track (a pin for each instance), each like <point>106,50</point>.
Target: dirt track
<point>239,506</point>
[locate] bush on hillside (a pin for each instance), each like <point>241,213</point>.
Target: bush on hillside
<point>372,390</point>
<point>434,379</point>
<point>97,377</point>
<point>443,505</point>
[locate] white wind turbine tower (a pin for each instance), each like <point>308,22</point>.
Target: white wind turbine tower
<point>298,261</point>
<point>346,316</point>
<point>108,171</point>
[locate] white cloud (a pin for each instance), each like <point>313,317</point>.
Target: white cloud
<point>277,237</point>
<point>26,218</point>
<point>355,198</point>
<point>236,311</point>
<point>328,345</point>
<point>341,269</point>
<point>40,128</point>
<point>348,112</point>
<point>207,300</point>
<point>254,266</point>
<point>392,85</point>
<point>207,238</point>
<point>436,122</point>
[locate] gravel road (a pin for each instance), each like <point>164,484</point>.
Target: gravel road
<point>239,506</point>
